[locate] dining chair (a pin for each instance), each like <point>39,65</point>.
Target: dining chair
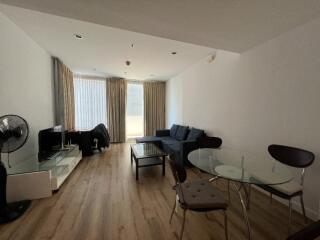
<point>310,232</point>
<point>197,195</point>
<point>209,142</point>
<point>293,157</point>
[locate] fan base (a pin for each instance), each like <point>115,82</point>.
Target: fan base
<point>13,211</point>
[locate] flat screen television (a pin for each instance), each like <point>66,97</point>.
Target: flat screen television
<point>50,142</point>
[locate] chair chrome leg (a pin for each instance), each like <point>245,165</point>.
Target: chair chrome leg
<point>303,209</point>
<point>246,193</point>
<point>290,214</point>
<point>249,197</point>
<point>226,224</point>
<point>183,222</point>
<point>229,190</point>
<point>173,209</point>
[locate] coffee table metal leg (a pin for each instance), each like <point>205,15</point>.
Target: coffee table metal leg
<point>137,169</point>
<point>163,166</point>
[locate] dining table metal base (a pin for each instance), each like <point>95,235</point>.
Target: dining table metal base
<point>243,204</point>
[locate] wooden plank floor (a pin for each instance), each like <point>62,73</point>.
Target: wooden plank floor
<point>102,200</point>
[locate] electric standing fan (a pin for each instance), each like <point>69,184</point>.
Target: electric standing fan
<point>14,131</point>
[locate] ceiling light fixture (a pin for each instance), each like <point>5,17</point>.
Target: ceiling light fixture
<point>128,63</point>
<point>132,45</point>
<point>78,36</point>
<point>173,53</point>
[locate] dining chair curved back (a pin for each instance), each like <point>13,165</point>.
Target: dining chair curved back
<point>294,157</point>
<point>209,142</point>
<point>179,173</point>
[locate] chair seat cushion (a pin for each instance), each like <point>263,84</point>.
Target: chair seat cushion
<point>289,188</point>
<point>200,194</point>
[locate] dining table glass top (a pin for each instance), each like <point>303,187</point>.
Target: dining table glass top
<point>240,166</point>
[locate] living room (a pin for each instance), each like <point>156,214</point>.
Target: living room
<point>217,89</point>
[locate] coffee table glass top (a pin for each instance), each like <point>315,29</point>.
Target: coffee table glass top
<point>240,166</point>
<point>147,150</point>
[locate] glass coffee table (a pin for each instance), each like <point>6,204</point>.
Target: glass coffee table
<point>147,155</point>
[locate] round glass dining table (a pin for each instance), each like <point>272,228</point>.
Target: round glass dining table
<point>241,169</point>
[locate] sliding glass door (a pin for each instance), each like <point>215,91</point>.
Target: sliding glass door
<point>134,121</point>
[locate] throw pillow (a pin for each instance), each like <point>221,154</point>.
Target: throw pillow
<point>173,130</point>
<point>194,134</point>
<point>182,133</point>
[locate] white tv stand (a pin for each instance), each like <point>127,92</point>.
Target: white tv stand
<point>34,180</point>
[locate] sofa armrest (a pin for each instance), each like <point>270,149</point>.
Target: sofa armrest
<point>163,133</point>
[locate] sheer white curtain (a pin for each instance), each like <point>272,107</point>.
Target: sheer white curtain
<point>90,102</point>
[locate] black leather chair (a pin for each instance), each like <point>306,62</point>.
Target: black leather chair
<point>89,141</point>
<point>294,157</point>
<point>198,195</point>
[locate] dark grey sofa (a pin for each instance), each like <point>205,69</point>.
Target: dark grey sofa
<point>179,140</point>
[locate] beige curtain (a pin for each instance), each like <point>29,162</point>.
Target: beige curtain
<point>64,95</point>
<point>154,106</point>
<point>116,109</point>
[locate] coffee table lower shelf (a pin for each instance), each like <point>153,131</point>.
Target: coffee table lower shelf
<point>149,162</point>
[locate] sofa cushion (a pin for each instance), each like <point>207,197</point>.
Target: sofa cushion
<point>173,148</point>
<point>169,140</point>
<point>194,134</point>
<point>173,130</point>
<point>182,133</point>
<point>148,139</point>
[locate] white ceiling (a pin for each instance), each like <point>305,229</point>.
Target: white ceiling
<point>104,48</point>
<point>234,25</point>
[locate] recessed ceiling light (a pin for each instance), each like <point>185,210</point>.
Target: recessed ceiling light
<point>173,53</point>
<point>78,36</point>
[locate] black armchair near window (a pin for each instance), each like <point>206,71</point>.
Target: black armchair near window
<point>89,141</point>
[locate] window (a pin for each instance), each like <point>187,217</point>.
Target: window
<point>90,102</point>
<point>134,121</point>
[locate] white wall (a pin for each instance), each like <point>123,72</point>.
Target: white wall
<point>25,84</point>
<point>269,94</point>
<point>173,102</point>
